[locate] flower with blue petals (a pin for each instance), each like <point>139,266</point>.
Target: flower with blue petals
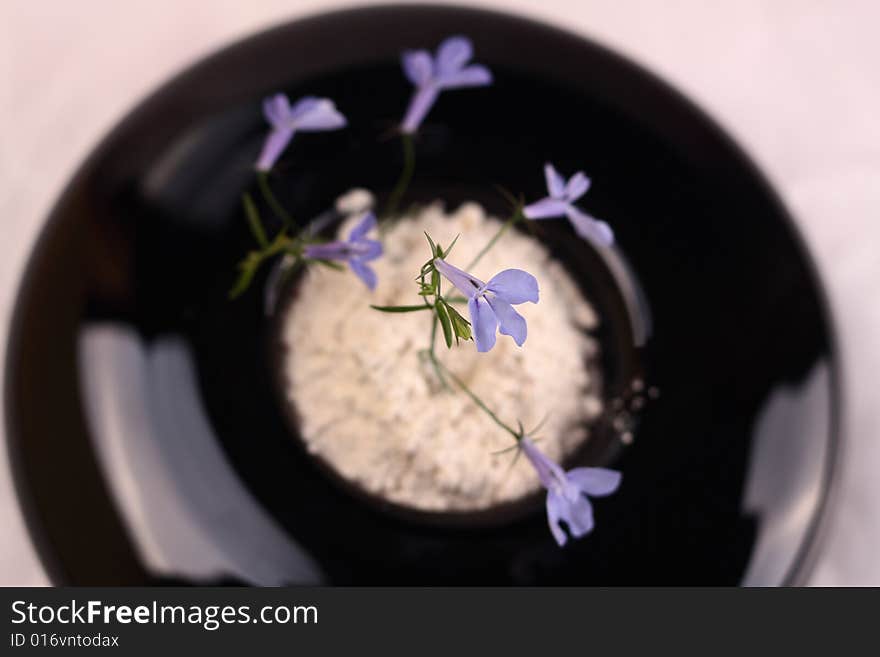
<point>491,304</point>
<point>357,250</point>
<point>567,492</point>
<point>560,203</point>
<point>308,114</point>
<point>448,69</point>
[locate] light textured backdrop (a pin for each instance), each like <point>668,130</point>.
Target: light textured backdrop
<point>796,82</point>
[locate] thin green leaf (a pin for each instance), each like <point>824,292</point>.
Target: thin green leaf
<point>247,270</point>
<point>460,325</point>
<point>431,244</point>
<point>282,242</point>
<point>427,289</point>
<point>253,218</point>
<point>445,322</point>
<point>445,253</point>
<point>401,309</point>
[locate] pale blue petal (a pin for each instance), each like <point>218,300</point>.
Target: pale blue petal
<point>364,272</point>
<point>514,286</point>
<point>595,481</point>
<point>577,186</point>
<point>593,230</point>
<point>366,224</point>
<point>419,105</point>
<point>510,322</point>
<point>418,66</point>
<point>273,147</point>
<point>578,513</point>
<point>546,208</point>
<point>555,182</point>
<point>303,106</point>
<point>472,76</point>
<point>276,109</point>
<point>465,283</point>
<point>368,249</point>
<point>328,251</point>
<point>319,115</point>
<point>484,323</point>
<point>548,472</point>
<point>555,509</point>
<point>453,54</point>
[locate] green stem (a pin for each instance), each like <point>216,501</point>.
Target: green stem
<point>516,216</point>
<point>438,367</point>
<point>402,309</point>
<point>269,196</point>
<point>281,243</point>
<point>409,165</point>
<point>479,402</point>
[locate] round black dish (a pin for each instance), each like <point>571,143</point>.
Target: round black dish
<point>146,236</point>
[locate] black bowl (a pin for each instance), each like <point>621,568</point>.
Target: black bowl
<point>146,432</point>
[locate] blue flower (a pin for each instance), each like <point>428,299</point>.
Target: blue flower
<point>309,114</point>
<point>560,203</point>
<point>567,492</point>
<point>357,250</point>
<point>491,304</point>
<point>431,75</point>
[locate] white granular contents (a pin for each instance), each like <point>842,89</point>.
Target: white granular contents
<point>375,412</point>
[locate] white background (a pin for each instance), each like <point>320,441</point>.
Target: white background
<point>796,82</point>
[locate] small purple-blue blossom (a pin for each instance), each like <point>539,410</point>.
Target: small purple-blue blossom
<point>560,203</point>
<point>567,492</point>
<point>491,304</point>
<point>448,69</point>
<point>357,250</point>
<point>308,114</point>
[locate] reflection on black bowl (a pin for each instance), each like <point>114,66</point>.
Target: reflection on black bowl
<point>145,427</point>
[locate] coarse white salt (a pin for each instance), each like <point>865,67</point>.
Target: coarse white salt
<point>375,412</point>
